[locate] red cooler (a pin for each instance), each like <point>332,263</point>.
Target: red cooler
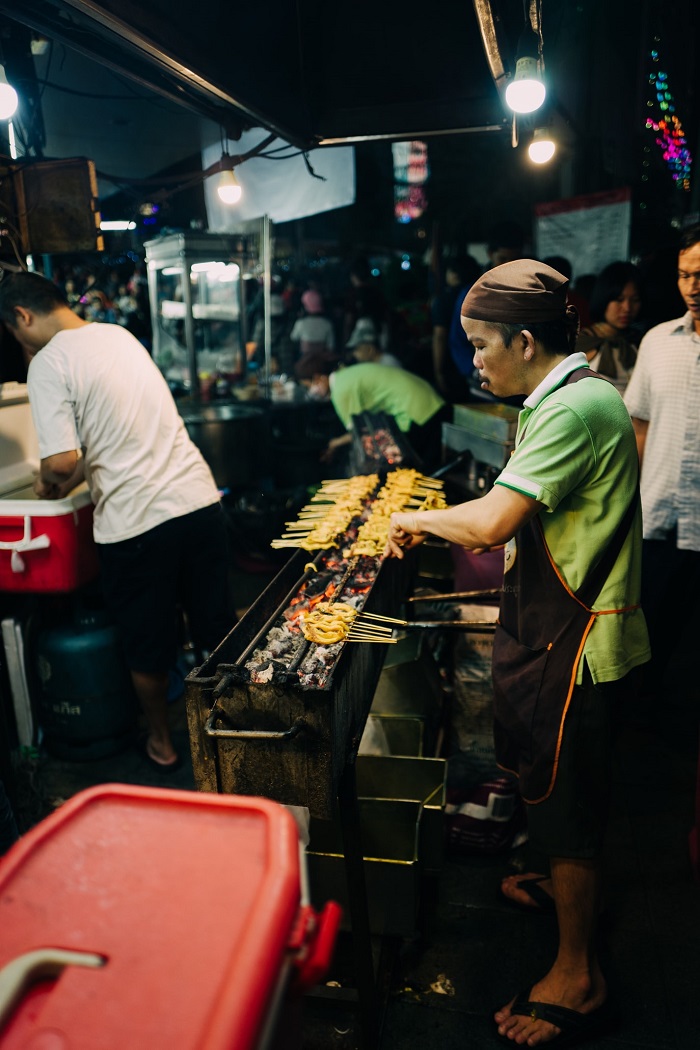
<point>46,546</point>
<point>155,919</point>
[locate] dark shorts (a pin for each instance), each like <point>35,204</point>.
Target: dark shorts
<point>572,821</point>
<point>146,579</point>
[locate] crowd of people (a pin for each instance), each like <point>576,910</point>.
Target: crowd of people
<point>358,321</point>
<point>108,296</point>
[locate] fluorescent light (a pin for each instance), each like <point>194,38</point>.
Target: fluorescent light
<point>229,273</point>
<point>117,224</point>
<point>207,267</point>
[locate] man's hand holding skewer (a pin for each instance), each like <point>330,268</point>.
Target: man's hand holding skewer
<point>404,534</point>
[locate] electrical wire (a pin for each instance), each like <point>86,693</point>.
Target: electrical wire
<point>289,156</point>
<point>6,233</point>
<point>311,171</point>
<point>168,185</point>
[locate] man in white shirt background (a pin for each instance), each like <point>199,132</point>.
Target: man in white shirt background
<point>663,399</point>
<point>103,413</point>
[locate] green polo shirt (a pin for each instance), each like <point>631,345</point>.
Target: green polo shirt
<point>575,452</point>
<point>380,388</point>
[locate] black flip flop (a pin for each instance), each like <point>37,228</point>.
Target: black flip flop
<point>543,902</point>
<point>575,1027</point>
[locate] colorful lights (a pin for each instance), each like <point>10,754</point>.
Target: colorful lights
<point>670,137</point>
<point>411,172</point>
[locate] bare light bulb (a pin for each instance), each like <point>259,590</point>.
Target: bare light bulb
<point>542,148</point>
<point>526,92</point>
<point>229,188</point>
<point>8,98</point>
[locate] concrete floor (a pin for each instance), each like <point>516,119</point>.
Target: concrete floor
<point>475,949</point>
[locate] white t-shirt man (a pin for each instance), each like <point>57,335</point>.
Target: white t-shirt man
<point>97,389</point>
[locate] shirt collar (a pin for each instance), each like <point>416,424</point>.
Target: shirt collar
<point>685,324</point>
<point>555,378</point>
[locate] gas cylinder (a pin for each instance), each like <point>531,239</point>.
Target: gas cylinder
<point>87,708</point>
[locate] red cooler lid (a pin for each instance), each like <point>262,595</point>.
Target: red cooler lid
<point>189,898</point>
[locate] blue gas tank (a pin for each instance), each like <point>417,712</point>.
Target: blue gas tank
<point>86,703</point>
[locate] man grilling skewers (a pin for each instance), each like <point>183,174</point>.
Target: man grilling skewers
<point>567,508</point>
<point>370,387</point>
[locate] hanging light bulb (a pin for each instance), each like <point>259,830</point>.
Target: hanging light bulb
<point>526,92</point>
<point>542,148</point>
<point>229,188</point>
<point>8,97</point>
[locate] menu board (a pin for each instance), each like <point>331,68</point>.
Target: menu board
<point>590,231</point>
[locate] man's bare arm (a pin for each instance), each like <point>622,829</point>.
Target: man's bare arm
<point>59,474</point>
<point>479,524</point>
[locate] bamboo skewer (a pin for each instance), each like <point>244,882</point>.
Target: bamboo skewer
<point>370,641</point>
<point>369,628</point>
<point>376,616</point>
<point>348,500</point>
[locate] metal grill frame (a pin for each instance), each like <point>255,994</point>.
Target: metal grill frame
<point>286,741</point>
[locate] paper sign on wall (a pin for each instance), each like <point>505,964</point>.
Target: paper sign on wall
<point>590,231</point>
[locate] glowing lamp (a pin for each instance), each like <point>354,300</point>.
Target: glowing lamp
<point>542,148</point>
<point>8,98</point>
<point>526,92</point>
<point>229,188</point>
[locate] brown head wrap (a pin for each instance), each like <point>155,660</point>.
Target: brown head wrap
<point>520,292</point>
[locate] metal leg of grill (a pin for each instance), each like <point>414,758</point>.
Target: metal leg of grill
<point>367,990</point>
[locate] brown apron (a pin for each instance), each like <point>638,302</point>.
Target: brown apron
<point>541,632</point>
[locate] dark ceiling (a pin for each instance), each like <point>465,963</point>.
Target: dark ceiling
<point>310,70</point>
<point>131,83</point>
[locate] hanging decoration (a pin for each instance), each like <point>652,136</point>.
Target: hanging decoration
<point>666,125</point>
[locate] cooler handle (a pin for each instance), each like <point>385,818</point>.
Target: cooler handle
<point>321,932</point>
<point>25,544</point>
<point>17,976</point>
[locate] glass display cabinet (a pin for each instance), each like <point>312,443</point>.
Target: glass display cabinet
<point>195,285</point>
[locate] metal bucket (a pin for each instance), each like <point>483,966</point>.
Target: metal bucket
<point>422,780</point>
<point>389,832</point>
<point>232,439</point>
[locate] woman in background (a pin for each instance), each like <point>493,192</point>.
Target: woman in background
<point>611,341</point>
<point>314,332</point>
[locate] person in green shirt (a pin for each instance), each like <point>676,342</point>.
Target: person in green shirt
<point>566,507</point>
<point>417,408</point>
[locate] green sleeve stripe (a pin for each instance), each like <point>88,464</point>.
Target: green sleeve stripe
<point>512,481</point>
